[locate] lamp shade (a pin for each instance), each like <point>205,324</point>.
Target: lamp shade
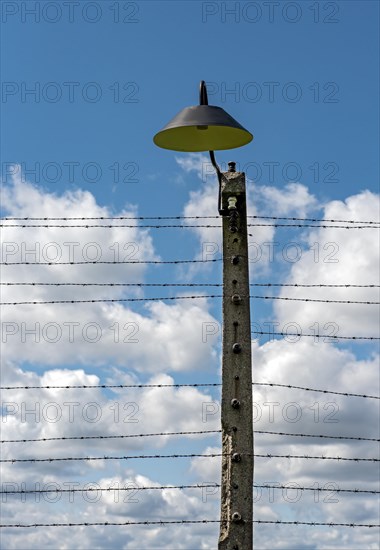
<point>202,128</point>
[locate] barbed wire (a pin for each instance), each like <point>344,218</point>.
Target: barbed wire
<point>295,285</point>
<point>122,262</point>
<point>195,385</point>
<point>111,300</point>
<point>346,394</point>
<point>125,436</point>
<point>335,337</point>
<point>319,226</point>
<point>314,285</point>
<point>46,218</point>
<point>116,386</point>
<point>310,219</point>
<point>313,300</point>
<point>194,297</point>
<point>181,226</point>
<point>344,437</point>
<point>319,489</point>
<point>184,522</point>
<point>109,489</point>
<point>121,225</point>
<point>83,218</point>
<point>181,487</point>
<point>180,455</point>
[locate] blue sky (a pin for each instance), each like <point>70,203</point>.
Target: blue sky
<point>303,78</point>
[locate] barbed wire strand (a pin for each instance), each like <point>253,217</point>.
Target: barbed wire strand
<point>112,300</point>
<point>295,285</point>
<point>195,385</point>
<point>346,394</point>
<point>194,297</point>
<point>180,226</point>
<point>342,437</point>
<point>335,337</point>
<point>184,522</point>
<point>122,262</point>
<point>181,487</point>
<point>181,218</point>
<point>125,436</point>
<point>180,455</point>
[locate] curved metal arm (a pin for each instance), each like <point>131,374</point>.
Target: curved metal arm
<point>219,174</point>
<point>203,100</point>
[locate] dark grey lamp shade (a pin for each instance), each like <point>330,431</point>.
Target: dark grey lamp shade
<point>202,128</point>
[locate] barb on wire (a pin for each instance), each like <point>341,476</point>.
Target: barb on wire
<point>346,394</point>
<point>322,220</point>
<point>194,297</point>
<point>295,285</point>
<point>111,300</point>
<point>115,386</point>
<point>300,225</point>
<point>319,489</point>
<point>314,300</point>
<point>117,284</point>
<point>196,385</point>
<point>314,285</point>
<point>344,437</point>
<point>184,522</point>
<point>98,262</point>
<point>179,226</point>
<point>335,337</point>
<point>47,218</point>
<point>124,436</point>
<point>114,218</point>
<point>107,226</point>
<point>186,455</point>
<point>109,489</point>
<point>58,490</point>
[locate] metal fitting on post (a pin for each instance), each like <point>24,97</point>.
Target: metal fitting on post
<point>235,403</point>
<point>236,348</point>
<point>232,203</point>
<point>233,214</point>
<point>236,517</point>
<point>236,299</point>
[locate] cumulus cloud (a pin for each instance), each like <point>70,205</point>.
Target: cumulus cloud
<point>156,340</point>
<point>175,338</point>
<point>99,333</point>
<point>292,199</point>
<point>62,246</point>
<point>340,257</point>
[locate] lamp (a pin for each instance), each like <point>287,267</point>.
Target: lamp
<point>203,127</point>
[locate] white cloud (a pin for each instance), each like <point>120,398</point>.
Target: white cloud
<point>56,334</point>
<point>157,341</point>
<point>77,244</point>
<point>337,256</point>
<point>292,199</point>
<point>170,340</point>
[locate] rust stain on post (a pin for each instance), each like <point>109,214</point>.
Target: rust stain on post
<point>225,512</point>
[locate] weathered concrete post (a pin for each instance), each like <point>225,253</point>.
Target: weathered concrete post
<point>236,409</point>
